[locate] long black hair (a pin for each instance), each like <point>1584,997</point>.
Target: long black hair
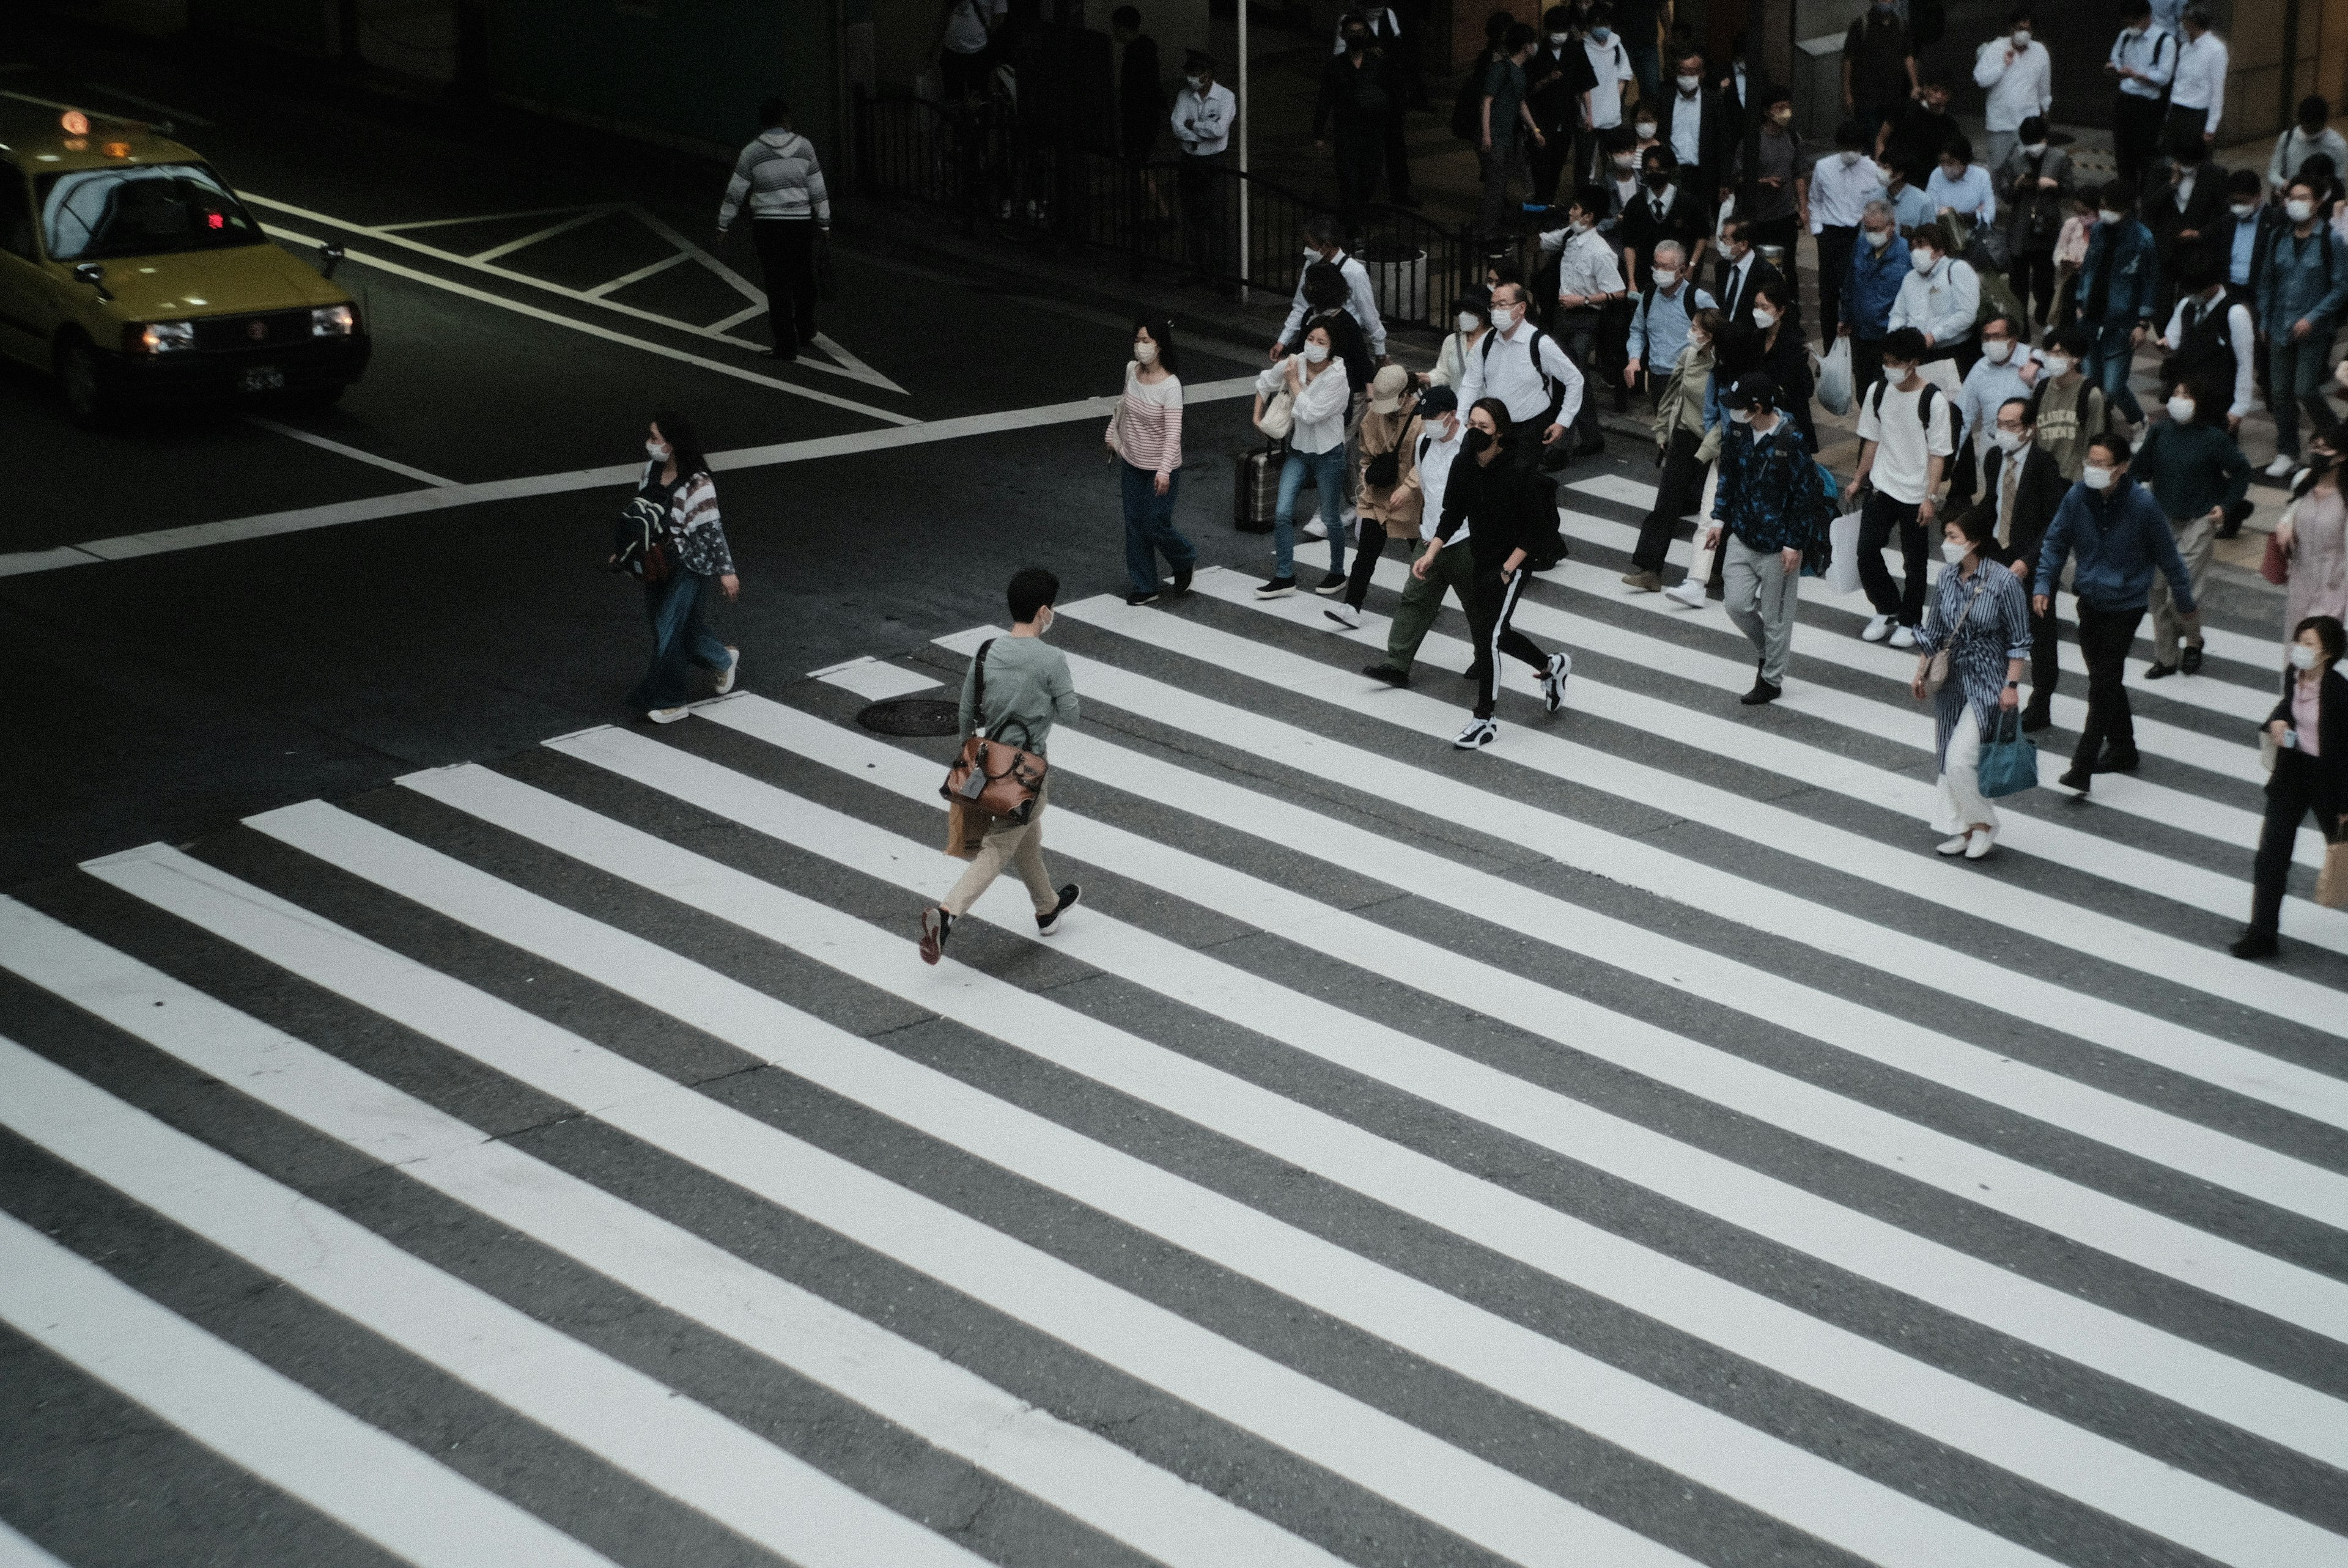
<point>1161,333</point>
<point>683,443</point>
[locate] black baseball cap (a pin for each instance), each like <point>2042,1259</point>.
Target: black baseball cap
<point>1753,391</point>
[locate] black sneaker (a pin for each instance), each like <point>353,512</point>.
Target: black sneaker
<point>2078,778</point>
<point>1047,923</point>
<point>1387,673</point>
<point>1181,583</point>
<point>2037,716</point>
<point>1275,588</point>
<point>936,925</point>
<point>1334,583</point>
<point>2158,671</point>
<point>1141,599</point>
<point>1763,692</point>
<point>2188,660</point>
<point>2255,944</point>
<point>2113,762</point>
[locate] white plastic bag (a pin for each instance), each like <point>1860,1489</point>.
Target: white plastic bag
<point>1835,378</point>
<point>1842,539</point>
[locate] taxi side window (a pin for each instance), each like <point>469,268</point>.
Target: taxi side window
<point>15,215</point>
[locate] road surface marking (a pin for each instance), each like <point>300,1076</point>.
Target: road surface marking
<point>628,278</point>
<point>311,438</point>
<point>484,218</point>
<point>578,221</point>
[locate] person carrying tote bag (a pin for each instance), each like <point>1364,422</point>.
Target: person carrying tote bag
<point>1972,651</point>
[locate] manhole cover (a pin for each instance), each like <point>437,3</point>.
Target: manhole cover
<point>912,716</point>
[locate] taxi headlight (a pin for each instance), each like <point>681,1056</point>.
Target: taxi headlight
<point>334,321</point>
<point>158,337</point>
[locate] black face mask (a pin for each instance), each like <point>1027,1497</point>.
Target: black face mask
<point>1658,180</point>
<point>1476,440</point>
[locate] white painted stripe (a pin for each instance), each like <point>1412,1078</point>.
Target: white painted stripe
<point>1917,876</point>
<point>831,346</point>
<point>624,1418</point>
<point>309,438</point>
<point>1084,1475</point>
<point>668,231</point>
<point>459,223</point>
<point>627,280</point>
<point>1477,1501</point>
<point>577,221</point>
<point>249,1413</point>
<point>1998,1430</point>
<point>19,1551</point>
<point>409,503</point>
<point>178,118</point>
<point>727,323</point>
<point>1764,1472</point>
<point>873,681</point>
<point>2263,657</point>
<point>1751,743</point>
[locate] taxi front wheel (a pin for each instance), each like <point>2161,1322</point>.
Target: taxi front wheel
<point>79,378</point>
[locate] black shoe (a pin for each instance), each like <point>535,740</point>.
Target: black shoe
<point>2188,660</point>
<point>1387,673</point>
<point>2229,529</point>
<point>1138,599</point>
<point>936,925</point>
<point>2113,762</point>
<point>1715,591</point>
<point>2035,718</point>
<point>2077,778</point>
<point>1334,583</point>
<point>1181,583</point>
<point>1276,587</point>
<point>1763,692</point>
<point>1047,923</point>
<point>2156,671</point>
<point>2255,944</point>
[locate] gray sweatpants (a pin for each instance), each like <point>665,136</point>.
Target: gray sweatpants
<point>1761,597</point>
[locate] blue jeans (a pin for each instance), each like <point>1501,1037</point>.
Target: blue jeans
<point>1329,474</point>
<point>1150,530</point>
<point>2296,373</point>
<point>2107,367</point>
<point>679,639</point>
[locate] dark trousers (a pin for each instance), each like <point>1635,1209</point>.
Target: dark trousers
<point>787,257</point>
<point>1489,606</point>
<point>1865,365</point>
<point>1835,246</point>
<point>1361,149</point>
<point>1150,531</point>
<point>2105,637</point>
<point>1580,333</point>
<point>1679,492</point>
<point>1549,159</point>
<point>1877,522</point>
<point>1207,201</point>
<point>2046,660</point>
<point>1397,150</point>
<point>2181,119</point>
<point>1369,544</point>
<point>2291,795</point>
<point>2136,134</point>
<point>679,639</point>
<point>2032,273</point>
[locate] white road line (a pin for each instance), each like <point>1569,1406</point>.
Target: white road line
<point>459,223</point>
<point>577,221</point>
<point>1952,1280</point>
<point>309,438</point>
<point>176,116</point>
<point>1638,863</point>
<point>249,1413</point>
<point>1079,1472</point>
<point>831,346</point>
<point>1381,1453</point>
<point>16,1549</point>
<point>2231,759</point>
<point>591,329</point>
<point>1920,876</point>
<point>627,280</point>
<point>668,231</point>
<point>624,1418</point>
<point>409,503</point>
<point>727,323</point>
<point>1789,1483</point>
<point>873,681</point>
<point>2125,865</point>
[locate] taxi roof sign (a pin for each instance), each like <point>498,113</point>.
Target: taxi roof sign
<point>74,122</point>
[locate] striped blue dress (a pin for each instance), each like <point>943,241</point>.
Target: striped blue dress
<point>1995,629</point>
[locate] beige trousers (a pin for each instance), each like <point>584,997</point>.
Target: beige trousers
<point>1017,846</point>
<point>2194,541</point>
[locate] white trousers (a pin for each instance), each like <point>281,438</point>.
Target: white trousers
<point>1960,803</point>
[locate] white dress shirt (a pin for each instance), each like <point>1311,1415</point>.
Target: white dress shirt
<point>2016,90</point>
<point>2200,79</point>
<point>2152,52</point>
<point>1321,405</point>
<point>1203,124</point>
<point>1505,370</point>
<point>2238,328</point>
<point>1586,263</point>
<point>1839,196</point>
<point>1687,126</point>
<point>1360,304</point>
<point>1940,303</point>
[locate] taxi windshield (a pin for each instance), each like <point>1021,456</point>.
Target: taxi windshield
<point>146,210</point>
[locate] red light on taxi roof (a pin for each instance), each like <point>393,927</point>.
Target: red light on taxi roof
<point>117,149</point>
<point>75,122</point>
<point>215,221</point>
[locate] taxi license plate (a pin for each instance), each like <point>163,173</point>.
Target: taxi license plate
<point>264,378</point>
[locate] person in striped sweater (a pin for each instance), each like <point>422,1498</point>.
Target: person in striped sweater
<point>676,480</point>
<point>779,176</point>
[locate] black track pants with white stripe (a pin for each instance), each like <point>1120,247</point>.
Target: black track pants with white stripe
<point>1490,607</point>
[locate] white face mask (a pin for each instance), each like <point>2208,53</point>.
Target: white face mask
<point>2007,440</point>
<point>1145,353</point>
<point>2096,477</point>
<point>2300,212</point>
<point>2035,149</point>
<point>1625,162</point>
<point>1503,318</point>
<point>1764,317</point>
<point>1196,84</point>
<point>655,451</point>
<point>2108,216</point>
<point>2242,210</point>
<point>2303,657</point>
<point>1922,261</point>
<point>1044,616</point>
<point>1560,40</point>
<point>1742,416</point>
<point>1468,323</point>
<point>1646,130</point>
<point>1666,277</point>
<point>1581,226</point>
<point>1879,237</point>
<point>2058,364</point>
<point>2021,37</point>
<point>1849,156</point>
<point>1695,350</point>
<point>1997,351</point>
<point>1896,373</point>
<point>1688,84</point>
<point>1314,353</point>
<point>1954,552</point>
<point>2180,409</point>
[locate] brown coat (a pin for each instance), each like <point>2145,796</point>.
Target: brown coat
<point>1400,505</point>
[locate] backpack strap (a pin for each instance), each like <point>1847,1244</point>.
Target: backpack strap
<point>978,691</point>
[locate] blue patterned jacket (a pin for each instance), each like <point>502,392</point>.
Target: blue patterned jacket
<point>1768,487</point>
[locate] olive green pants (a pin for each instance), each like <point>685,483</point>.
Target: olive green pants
<point>1454,568</point>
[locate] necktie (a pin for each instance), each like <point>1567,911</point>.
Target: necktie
<point>2006,499</point>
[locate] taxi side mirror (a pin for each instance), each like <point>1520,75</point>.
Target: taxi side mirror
<point>330,256</point>
<point>93,275</point>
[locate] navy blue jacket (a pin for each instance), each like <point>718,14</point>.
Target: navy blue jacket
<point>2125,251</point>
<point>2120,538</point>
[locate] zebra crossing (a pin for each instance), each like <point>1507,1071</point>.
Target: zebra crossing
<point>1628,1145</point>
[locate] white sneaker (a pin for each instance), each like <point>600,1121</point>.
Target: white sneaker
<point>1480,734</point>
<point>1344,615</point>
<point>1316,530</point>
<point>725,676</point>
<point>2283,463</point>
<point>1690,594</point>
<point>668,715</point>
<point>1878,629</point>
<point>1978,844</point>
<point>1560,665</point>
<point>1903,637</point>
<point>1954,845</point>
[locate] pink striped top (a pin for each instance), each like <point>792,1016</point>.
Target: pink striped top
<point>1147,428</point>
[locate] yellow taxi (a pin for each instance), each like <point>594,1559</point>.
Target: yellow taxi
<point>131,271</point>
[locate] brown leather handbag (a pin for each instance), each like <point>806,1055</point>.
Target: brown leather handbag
<point>991,776</point>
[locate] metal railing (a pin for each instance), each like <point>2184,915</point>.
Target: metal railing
<point>990,171</point>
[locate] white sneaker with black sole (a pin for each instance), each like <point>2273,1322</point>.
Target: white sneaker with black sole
<point>1903,637</point>
<point>1344,615</point>
<point>1480,734</point>
<point>1316,530</point>
<point>1689,593</point>
<point>1877,628</point>
<point>1560,665</point>
<point>1275,588</point>
<point>2281,466</point>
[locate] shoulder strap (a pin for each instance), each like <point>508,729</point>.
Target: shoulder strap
<point>1923,408</point>
<point>978,693</point>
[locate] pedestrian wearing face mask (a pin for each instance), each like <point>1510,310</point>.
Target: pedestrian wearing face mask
<point>1589,287</point>
<point>1618,176</point>
<point>1840,189</point>
<point>2022,487</point>
<point>2313,539</point>
<point>1682,422</point>
<point>2312,135</point>
<point>1915,136</point>
<point>1778,350</point>
<point>1609,66</point>
<point>1315,382</point>
<point>2114,529</point>
<point>1743,271</point>
<point>1663,210</point>
<point>1525,371</point>
<point>2210,335</point>
<point>2066,409</point>
<point>2196,472</point>
<point>1471,317</point>
<point>2142,60</point>
<point>2299,296</point>
<point>2244,238</point>
<point>1558,83</point>
<point>2004,370</point>
<point>1360,96</point>
<point>1977,615</point>
<point>1906,440</point>
<point>1506,125</point>
<point>1939,300</point>
<point>1385,474</point>
<point>1145,435</point>
<point>2184,218</point>
<point>1659,326</point>
<point>1904,187</point>
<point>2019,77</point>
<point>1878,66</point>
<point>1772,175</point>
<point>1692,122</point>
<point>675,487</point>
<point>1324,240</point>
<point>1765,512</point>
<point>1879,270</point>
<point>1646,129</point>
<point>1434,452</point>
<point>1388,41</point>
<point>2308,731</point>
<point>1960,188</point>
<point>2033,186</point>
<point>2197,92</point>
<point>2118,282</point>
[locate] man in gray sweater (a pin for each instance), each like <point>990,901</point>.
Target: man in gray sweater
<point>1028,688</point>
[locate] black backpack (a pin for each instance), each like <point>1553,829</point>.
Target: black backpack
<point>1550,383</point>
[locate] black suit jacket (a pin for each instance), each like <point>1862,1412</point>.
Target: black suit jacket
<point>1713,142</point>
<point>1639,230</point>
<point>1757,277</point>
<point>2204,213</point>
<point>2037,494</point>
<point>2330,736</point>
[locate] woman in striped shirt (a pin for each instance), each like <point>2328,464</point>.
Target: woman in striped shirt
<point>676,479</point>
<point>1145,435</point>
